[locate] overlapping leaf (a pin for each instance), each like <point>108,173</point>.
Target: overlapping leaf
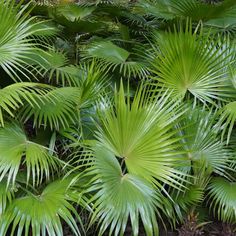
<point>41,214</point>
<point>223,199</point>
<point>192,65</point>
<point>17,150</point>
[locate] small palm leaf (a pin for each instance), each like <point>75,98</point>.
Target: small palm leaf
<point>114,57</point>
<point>74,12</point>
<point>41,214</point>
<point>203,146</point>
<point>222,195</point>
<point>57,108</point>
<point>227,119</point>
<point>14,96</point>
<point>183,201</point>
<point>193,65</point>
<point>56,66</point>
<point>17,150</point>
<point>93,82</point>
<point>121,196</point>
<point>16,39</point>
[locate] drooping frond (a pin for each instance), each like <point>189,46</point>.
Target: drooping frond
<point>16,95</point>
<point>120,197</point>
<point>16,39</point>
<point>41,214</point>
<point>222,195</point>
<point>17,150</point>
<point>55,109</point>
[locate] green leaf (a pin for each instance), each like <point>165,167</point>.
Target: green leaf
<point>193,65</point>
<point>74,12</point>
<point>16,39</point>
<point>121,196</point>
<point>15,95</point>
<point>17,149</point>
<point>227,119</point>
<point>222,198</point>
<point>203,146</point>
<point>7,195</point>
<point>55,109</point>
<point>41,214</point>
<point>140,133</point>
<point>107,50</point>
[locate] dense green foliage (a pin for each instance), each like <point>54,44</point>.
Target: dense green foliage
<point>120,110</point>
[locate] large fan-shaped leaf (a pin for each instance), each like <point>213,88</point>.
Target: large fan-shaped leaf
<point>121,196</point>
<point>192,64</point>
<point>223,199</point>
<point>41,214</point>
<point>17,150</point>
<point>141,135</point>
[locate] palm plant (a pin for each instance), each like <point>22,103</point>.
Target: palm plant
<point>74,141</point>
<point>135,154</point>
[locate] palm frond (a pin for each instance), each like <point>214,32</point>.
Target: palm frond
<point>41,214</point>
<point>190,64</point>
<point>17,150</point>
<point>16,39</point>
<point>222,195</point>
<point>113,57</point>
<point>227,119</point>
<point>7,194</point>
<point>55,65</point>
<point>141,135</point>
<point>121,196</point>
<point>184,200</point>
<point>55,109</point>
<point>16,95</point>
<point>202,143</point>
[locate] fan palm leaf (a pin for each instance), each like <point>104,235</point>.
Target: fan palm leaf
<point>202,143</point>
<point>191,64</point>
<point>114,57</point>
<point>41,214</point>
<point>16,39</point>
<point>16,95</point>
<point>120,197</point>
<point>56,109</point>
<point>17,150</point>
<point>141,135</point>
<point>56,66</point>
<point>196,10</point>
<point>227,119</point>
<point>222,198</point>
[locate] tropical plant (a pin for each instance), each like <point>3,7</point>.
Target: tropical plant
<point>120,110</point>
